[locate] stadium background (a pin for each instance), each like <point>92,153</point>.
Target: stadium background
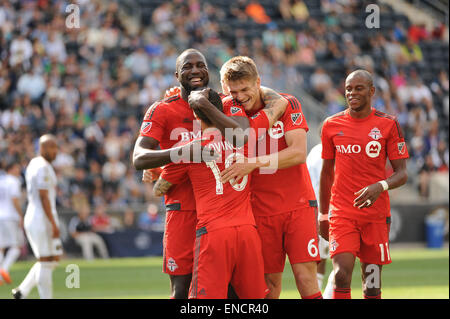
<point>91,84</point>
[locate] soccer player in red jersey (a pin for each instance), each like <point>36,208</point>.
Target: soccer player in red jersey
<point>282,196</point>
<point>354,202</point>
<point>167,123</point>
<point>228,247</point>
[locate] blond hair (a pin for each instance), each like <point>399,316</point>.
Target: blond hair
<point>238,68</point>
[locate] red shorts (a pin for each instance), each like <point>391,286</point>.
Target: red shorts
<point>228,255</point>
<point>179,238</point>
<point>293,233</point>
<point>367,240</point>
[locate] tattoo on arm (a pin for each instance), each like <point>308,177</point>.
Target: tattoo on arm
<point>161,187</point>
<point>273,107</point>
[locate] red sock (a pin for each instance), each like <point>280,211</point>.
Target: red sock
<point>342,293</point>
<point>373,297</point>
<point>317,295</point>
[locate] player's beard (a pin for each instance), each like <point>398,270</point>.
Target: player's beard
<point>189,88</point>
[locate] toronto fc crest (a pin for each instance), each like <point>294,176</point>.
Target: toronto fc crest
<point>375,133</point>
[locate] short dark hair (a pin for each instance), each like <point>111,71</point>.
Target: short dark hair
<point>215,100</point>
<point>10,165</point>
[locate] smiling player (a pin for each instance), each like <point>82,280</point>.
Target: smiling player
<point>227,248</point>
<point>354,204</point>
<point>283,199</point>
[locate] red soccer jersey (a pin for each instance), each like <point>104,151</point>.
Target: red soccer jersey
<point>218,205</point>
<point>285,189</point>
<point>360,148</point>
<point>170,121</point>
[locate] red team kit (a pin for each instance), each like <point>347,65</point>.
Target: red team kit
<point>205,218</point>
<point>376,138</point>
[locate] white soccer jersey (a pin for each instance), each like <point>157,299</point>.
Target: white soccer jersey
<point>314,164</point>
<point>9,189</point>
<point>40,175</point>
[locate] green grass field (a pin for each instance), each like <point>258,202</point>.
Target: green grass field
<point>414,274</point>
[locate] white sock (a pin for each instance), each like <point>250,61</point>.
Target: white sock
<point>1,258</point>
<point>30,280</point>
<point>44,279</point>
<point>320,280</point>
<point>10,258</point>
<point>328,293</point>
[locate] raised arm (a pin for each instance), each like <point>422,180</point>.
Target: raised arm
<point>233,128</point>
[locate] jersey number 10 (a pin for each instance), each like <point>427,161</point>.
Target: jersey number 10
<point>216,172</point>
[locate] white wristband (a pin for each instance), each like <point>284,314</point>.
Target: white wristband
<point>384,184</point>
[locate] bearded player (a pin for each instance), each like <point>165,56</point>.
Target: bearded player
<point>354,202</point>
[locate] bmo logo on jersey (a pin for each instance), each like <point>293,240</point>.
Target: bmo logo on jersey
<point>187,136</point>
<point>348,149</point>
<point>277,130</point>
<point>373,149</point>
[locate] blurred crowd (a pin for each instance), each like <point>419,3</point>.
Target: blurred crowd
<point>90,86</point>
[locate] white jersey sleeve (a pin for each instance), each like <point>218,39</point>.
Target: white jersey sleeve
<point>314,164</point>
<point>43,178</point>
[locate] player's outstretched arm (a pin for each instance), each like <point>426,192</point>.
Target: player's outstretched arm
<point>294,154</point>
<point>366,196</point>
<point>146,156</point>
<point>161,187</point>
<point>326,181</point>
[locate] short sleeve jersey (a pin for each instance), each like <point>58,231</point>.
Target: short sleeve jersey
<point>218,205</point>
<point>361,148</point>
<point>274,192</point>
<point>40,175</point>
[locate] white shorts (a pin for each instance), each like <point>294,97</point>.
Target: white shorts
<point>11,235</point>
<point>41,241</point>
<point>324,248</point>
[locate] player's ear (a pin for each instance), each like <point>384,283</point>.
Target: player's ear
<point>258,82</point>
<point>372,91</point>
